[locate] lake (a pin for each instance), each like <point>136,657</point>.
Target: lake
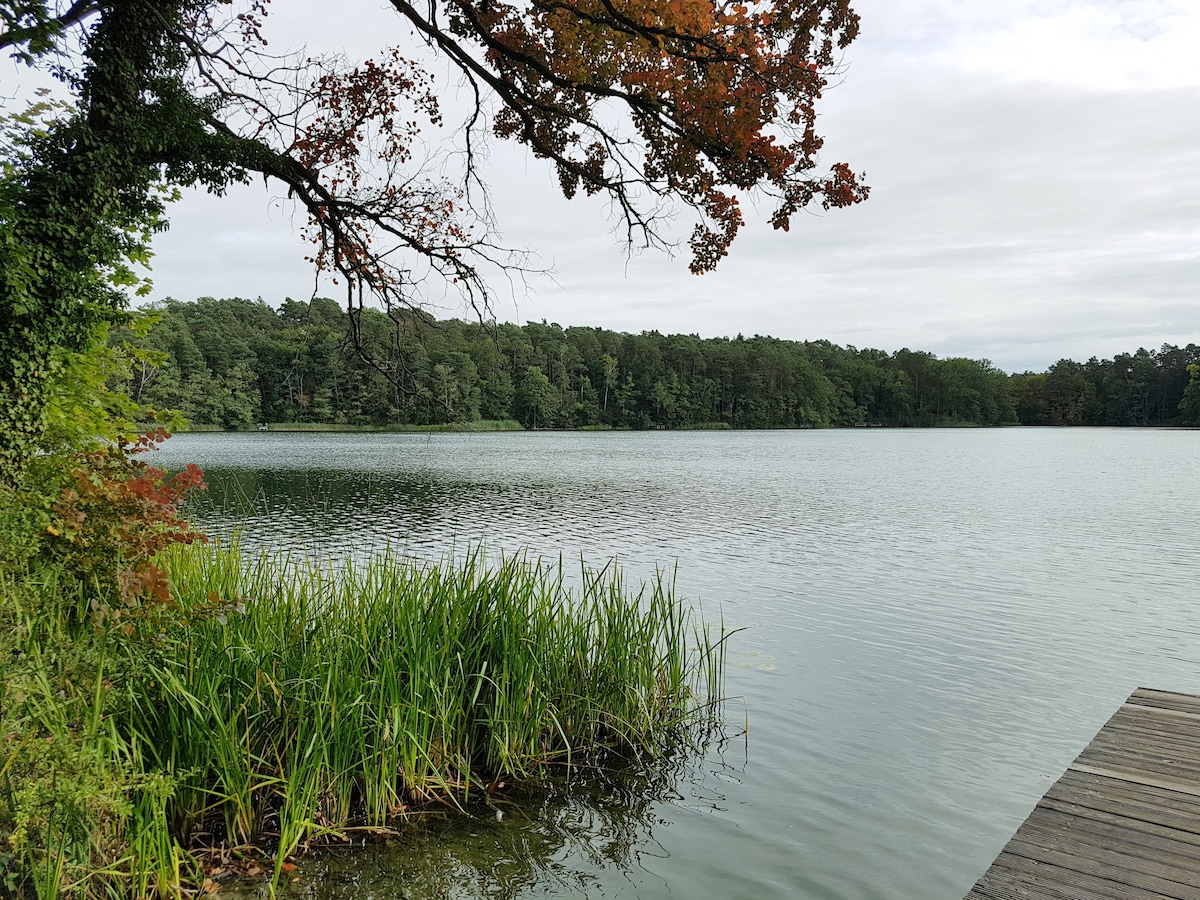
<point>936,623</point>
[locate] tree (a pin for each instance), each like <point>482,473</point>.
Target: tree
<point>80,193</point>
<point>656,105</point>
<point>1069,396</point>
<point>611,368</point>
<point>536,399</point>
<point>1189,406</point>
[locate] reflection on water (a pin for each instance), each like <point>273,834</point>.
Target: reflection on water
<point>936,624</point>
<point>358,509</point>
<point>589,839</point>
<point>591,835</point>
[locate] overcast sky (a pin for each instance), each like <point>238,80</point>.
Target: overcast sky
<point>1035,173</point>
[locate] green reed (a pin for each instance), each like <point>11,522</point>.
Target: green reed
<point>305,699</point>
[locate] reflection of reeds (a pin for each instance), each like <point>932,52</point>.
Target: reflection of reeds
<point>317,698</point>
<point>228,498</point>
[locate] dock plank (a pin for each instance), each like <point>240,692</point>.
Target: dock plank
<point>1077,860</point>
<point>1116,833</point>
<point>1007,884</point>
<point>1165,700</point>
<point>1089,816</point>
<point>1123,822</point>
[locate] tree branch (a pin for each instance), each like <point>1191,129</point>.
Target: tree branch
<point>44,29</point>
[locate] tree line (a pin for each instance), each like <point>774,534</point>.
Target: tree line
<point>235,362</point>
<point>1143,388</point>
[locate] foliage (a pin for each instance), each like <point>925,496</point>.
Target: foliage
<point>287,702</point>
<point>273,703</point>
<point>96,512</point>
<point>113,515</point>
<point>593,376</point>
<point>1149,387</point>
<point>80,596</point>
<point>82,188</point>
<point>65,784</point>
<point>71,642</point>
<point>544,375</point>
<point>1189,404</point>
<point>536,399</point>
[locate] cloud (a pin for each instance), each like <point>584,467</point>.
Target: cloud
<point>1106,44</point>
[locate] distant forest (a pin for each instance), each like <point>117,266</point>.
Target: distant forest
<point>234,362</point>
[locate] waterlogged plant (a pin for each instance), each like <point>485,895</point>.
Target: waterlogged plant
<point>338,698</point>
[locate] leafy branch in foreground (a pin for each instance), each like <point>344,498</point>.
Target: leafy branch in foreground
<point>690,104</point>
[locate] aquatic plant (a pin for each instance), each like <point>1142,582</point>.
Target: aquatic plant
<point>309,699</point>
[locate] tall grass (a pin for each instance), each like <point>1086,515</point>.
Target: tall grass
<point>304,699</point>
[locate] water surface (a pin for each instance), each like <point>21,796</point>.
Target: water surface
<point>937,622</point>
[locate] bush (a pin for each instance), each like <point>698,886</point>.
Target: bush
<point>80,598</point>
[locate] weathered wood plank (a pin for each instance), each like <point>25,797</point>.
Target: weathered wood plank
<point>1153,723</point>
<point>1152,695</point>
<point>1010,884</point>
<point>1165,700</point>
<point>1091,850</point>
<point>1128,800</point>
<point>1129,724</point>
<point>1135,747</point>
<point>1153,766</point>
<point>1117,819</point>
<point>1115,832</point>
<point>1086,782</point>
<point>1125,734</point>
<point>1122,822</point>
<point>1059,878</point>
<point>1146,778</point>
<point>1119,868</point>
<point>1144,751</point>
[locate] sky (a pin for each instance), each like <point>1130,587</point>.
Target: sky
<point>1035,175</point>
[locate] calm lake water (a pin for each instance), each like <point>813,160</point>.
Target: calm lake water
<point>937,622</point>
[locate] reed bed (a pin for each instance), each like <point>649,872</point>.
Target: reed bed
<point>303,699</point>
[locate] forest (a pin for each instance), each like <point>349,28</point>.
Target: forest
<point>232,363</point>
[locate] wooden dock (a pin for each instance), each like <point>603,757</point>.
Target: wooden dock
<point>1123,822</point>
